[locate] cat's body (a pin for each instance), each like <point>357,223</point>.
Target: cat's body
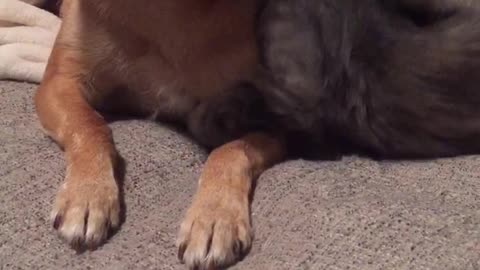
<point>393,79</point>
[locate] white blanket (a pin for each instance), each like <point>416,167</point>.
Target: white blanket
<point>27,34</point>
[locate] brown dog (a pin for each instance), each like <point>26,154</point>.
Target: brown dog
<point>161,59</point>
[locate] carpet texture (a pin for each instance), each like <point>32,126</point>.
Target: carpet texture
<point>349,214</point>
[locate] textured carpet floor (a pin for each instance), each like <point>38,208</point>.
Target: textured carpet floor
<point>350,214</point>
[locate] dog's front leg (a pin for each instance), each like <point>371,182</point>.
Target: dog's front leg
<point>217,230</point>
<point>87,204</point>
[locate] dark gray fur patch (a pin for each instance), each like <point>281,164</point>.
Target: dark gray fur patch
<point>393,79</point>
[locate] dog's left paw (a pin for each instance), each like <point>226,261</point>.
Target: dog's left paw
<point>216,231</point>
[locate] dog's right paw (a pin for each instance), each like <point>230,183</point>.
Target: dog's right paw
<point>86,210</point>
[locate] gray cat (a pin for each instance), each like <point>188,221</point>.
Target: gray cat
<point>396,79</point>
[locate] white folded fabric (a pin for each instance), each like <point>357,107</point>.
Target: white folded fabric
<point>27,34</point>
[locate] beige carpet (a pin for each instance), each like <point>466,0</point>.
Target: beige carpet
<point>350,214</point>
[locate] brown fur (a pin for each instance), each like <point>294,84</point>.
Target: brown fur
<point>157,59</point>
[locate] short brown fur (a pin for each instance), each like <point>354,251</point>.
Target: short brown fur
<point>158,59</point>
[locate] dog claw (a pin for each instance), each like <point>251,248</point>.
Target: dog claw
<point>181,252</point>
<point>57,221</point>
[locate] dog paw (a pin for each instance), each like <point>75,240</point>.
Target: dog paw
<point>86,210</point>
<point>215,233</point>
